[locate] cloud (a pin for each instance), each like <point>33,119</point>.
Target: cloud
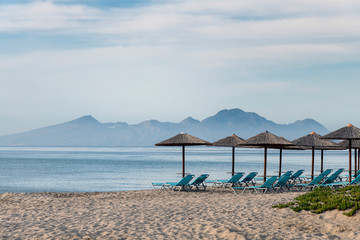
<point>44,16</point>
<point>174,55</point>
<point>209,26</point>
<point>216,18</point>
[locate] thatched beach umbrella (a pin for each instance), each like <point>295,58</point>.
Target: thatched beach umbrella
<point>266,140</point>
<point>183,139</point>
<point>230,141</point>
<point>312,141</point>
<point>347,133</point>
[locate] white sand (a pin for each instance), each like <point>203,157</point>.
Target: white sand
<point>162,214</point>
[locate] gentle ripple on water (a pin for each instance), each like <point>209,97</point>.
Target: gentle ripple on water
<point>83,169</point>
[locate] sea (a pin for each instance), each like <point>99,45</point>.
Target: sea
<point>107,169</point>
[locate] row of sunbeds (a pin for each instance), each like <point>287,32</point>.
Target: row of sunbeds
<point>184,183</point>
<point>286,182</point>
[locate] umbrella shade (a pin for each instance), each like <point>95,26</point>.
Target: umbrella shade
<point>314,142</point>
<point>348,132</point>
<point>267,140</point>
<point>183,139</point>
<point>230,141</point>
<point>354,144</point>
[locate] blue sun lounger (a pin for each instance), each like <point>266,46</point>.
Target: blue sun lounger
<point>347,176</point>
<point>296,177</point>
<point>199,182</point>
<point>263,187</point>
<point>283,180</point>
<point>183,184</point>
<point>233,181</point>
<point>315,182</point>
<point>356,181</point>
<point>332,178</point>
<point>249,179</point>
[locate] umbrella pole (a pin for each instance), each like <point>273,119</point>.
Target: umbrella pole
<point>183,161</point>
<point>265,159</point>
<point>322,161</point>
<point>312,163</point>
<point>358,160</point>
<point>349,160</point>
<point>280,162</point>
<point>233,161</point>
<point>355,167</point>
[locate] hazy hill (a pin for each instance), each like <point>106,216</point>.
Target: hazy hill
<point>87,131</point>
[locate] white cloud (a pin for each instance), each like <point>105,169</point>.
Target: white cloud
<point>174,55</point>
<point>226,19</point>
<point>255,29</point>
<point>44,16</point>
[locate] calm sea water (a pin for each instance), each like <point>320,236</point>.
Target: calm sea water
<point>100,169</point>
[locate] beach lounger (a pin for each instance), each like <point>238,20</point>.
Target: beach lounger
<point>249,179</point>
<point>183,184</point>
<point>233,181</point>
<point>283,180</point>
<point>356,181</point>
<point>296,176</point>
<point>315,182</point>
<point>263,187</point>
<point>354,175</point>
<point>332,178</point>
<point>199,182</point>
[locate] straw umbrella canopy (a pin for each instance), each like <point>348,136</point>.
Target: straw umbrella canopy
<point>356,145</point>
<point>230,141</point>
<point>314,142</point>
<point>183,139</point>
<point>349,133</point>
<point>266,140</point>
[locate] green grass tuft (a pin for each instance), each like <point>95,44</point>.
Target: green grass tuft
<point>323,199</point>
<point>285,205</point>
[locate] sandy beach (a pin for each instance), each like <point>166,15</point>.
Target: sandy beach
<point>163,214</point>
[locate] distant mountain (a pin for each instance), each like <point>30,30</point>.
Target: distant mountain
<point>87,131</point>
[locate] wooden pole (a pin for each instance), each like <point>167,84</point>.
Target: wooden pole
<point>312,163</point>
<point>183,161</point>
<point>233,161</point>
<point>358,160</point>
<point>349,160</point>
<point>280,162</point>
<point>265,159</point>
<point>355,167</point>
<point>322,161</point>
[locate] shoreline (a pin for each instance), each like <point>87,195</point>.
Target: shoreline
<point>163,214</point>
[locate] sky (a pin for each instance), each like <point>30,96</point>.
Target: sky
<point>130,61</point>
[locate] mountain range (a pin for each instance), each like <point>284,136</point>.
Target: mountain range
<point>87,131</point>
